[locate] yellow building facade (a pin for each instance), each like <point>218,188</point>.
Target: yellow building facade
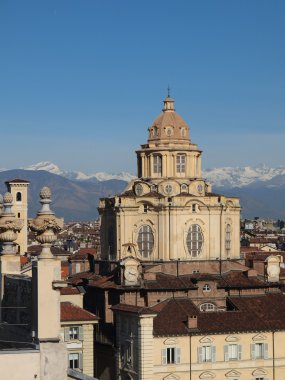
<point>169,212</point>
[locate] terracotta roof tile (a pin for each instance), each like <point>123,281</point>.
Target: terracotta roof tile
<point>69,291</point>
<point>258,313</point>
<point>70,312</point>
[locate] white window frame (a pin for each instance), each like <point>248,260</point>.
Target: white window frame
<point>170,355</point>
<point>259,350</point>
<point>206,288</point>
<point>75,360</point>
<point>71,335</point>
<point>229,353</point>
<point>181,163</point>
<point>206,354</point>
<point>207,306</point>
<point>157,164</point>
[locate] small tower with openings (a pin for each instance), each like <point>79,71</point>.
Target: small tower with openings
<point>19,190</point>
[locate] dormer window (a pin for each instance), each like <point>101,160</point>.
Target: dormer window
<point>180,163</point>
<point>206,288</point>
<point>157,164</point>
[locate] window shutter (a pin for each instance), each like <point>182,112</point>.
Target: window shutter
<point>239,352</point>
<point>213,353</point>
<point>80,361</point>
<point>226,351</point>
<point>252,350</point>
<point>66,334</point>
<point>265,350</point>
<point>81,334</point>
<point>163,356</point>
<point>200,354</point>
<point>177,355</point>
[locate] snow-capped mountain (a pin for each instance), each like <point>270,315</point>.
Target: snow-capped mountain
<point>240,177</point>
<point>226,177</point>
<point>78,175</point>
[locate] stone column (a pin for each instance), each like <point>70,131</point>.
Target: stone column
<point>48,277</point>
<point>9,227</point>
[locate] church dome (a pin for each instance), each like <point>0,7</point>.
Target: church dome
<point>169,125</point>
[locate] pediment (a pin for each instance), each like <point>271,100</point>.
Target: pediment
<point>258,372</point>
<point>207,375</point>
<point>170,342</point>
<point>259,337</point>
<point>206,339</point>
<point>171,377</point>
<point>232,338</point>
<point>233,373</point>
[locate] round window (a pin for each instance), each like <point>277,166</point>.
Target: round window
<point>139,189</point>
<point>168,189</point>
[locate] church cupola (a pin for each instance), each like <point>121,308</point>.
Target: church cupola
<point>169,153</point>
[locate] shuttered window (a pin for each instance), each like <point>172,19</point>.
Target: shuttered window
<point>259,351</point>
<point>170,355</point>
<point>206,354</point>
<point>232,352</point>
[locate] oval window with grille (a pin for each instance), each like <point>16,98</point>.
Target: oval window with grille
<point>194,240</point>
<point>145,241</point>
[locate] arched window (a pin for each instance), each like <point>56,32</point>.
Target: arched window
<point>145,241</point>
<point>157,164</point>
<point>228,239</point>
<point>18,196</point>
<point>194,240</point>
<point>206,288</point>
<point>207,306</point>
<point>180,163</point>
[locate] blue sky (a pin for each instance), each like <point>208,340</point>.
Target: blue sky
<point>81,80</point>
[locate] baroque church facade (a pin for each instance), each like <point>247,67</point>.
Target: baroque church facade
<point>169,212</point>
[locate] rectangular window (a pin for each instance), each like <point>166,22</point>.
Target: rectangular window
<point>206,354</point>
<point>259,351</point>
<point>73,333</point>
<point>73,360</point>
<point>171,355</point>
<point>157,164</point>
<point>180,163</point>
<point>232,352</point>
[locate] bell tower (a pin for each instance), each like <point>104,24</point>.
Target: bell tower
<point>19,190</point>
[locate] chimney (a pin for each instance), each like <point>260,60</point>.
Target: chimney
<point>251,273</point>
<point>192,322</point>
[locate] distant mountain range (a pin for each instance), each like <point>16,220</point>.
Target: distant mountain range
<point>76,194</point>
